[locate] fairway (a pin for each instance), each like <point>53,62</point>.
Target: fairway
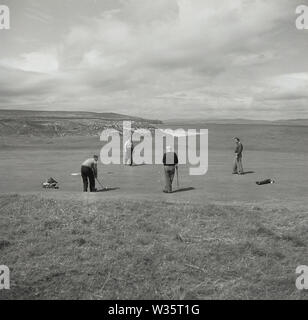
<point>278,152</point>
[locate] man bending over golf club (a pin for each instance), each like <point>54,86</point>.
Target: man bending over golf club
<point>170,161</point>
<point>89,173</point>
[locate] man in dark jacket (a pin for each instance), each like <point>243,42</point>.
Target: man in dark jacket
<point>238,166</point>
<point>170,161</point>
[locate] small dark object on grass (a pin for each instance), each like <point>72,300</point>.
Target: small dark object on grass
<point>50,183</point>
<point>179,237</point>
<point>266,181</point>
<point>4,244</point>
<point>80,241</point>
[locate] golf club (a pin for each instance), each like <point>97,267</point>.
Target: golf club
<point>101,184</point>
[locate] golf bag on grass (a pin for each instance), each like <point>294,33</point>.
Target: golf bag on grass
<point>50,184</point>
<point>266,181</point>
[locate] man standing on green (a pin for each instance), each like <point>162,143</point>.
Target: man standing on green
<point>128,149</point>
<point>170,161</point>
<point>238,166</point>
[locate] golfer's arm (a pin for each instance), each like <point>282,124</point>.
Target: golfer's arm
<point>176,161</point>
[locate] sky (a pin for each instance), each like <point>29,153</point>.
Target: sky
<point>162,59</point>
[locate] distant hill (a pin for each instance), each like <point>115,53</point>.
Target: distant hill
<point>291,122</point>
<point>295,122</point>
<point>62,123</point>
<point>11,114</point>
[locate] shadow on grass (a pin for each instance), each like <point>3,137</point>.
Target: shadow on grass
<point>183,189</point>
<point>109,189</point>
<point>248,172</point>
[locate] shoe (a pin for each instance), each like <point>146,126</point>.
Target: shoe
<point>165,191</point>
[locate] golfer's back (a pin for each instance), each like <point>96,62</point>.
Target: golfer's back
<point>170,159</point>
<point>89,163</point>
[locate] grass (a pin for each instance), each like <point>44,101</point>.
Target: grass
<point>80,249</point>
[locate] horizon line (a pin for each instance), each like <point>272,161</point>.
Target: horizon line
<point>160,119</point>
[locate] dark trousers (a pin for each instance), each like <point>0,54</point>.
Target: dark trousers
<point>87,174</point>
<point>169,175</point>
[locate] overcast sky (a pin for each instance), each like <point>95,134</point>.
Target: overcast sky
<point>156,58</point>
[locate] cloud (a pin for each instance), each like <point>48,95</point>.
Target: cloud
<point>42,62</point>
<point>291,86</point>
<point>165,58</point>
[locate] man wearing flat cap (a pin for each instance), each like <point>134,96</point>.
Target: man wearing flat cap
<point>238,166</point>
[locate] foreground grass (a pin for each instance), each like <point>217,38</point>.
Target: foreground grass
<point>149,250</point>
